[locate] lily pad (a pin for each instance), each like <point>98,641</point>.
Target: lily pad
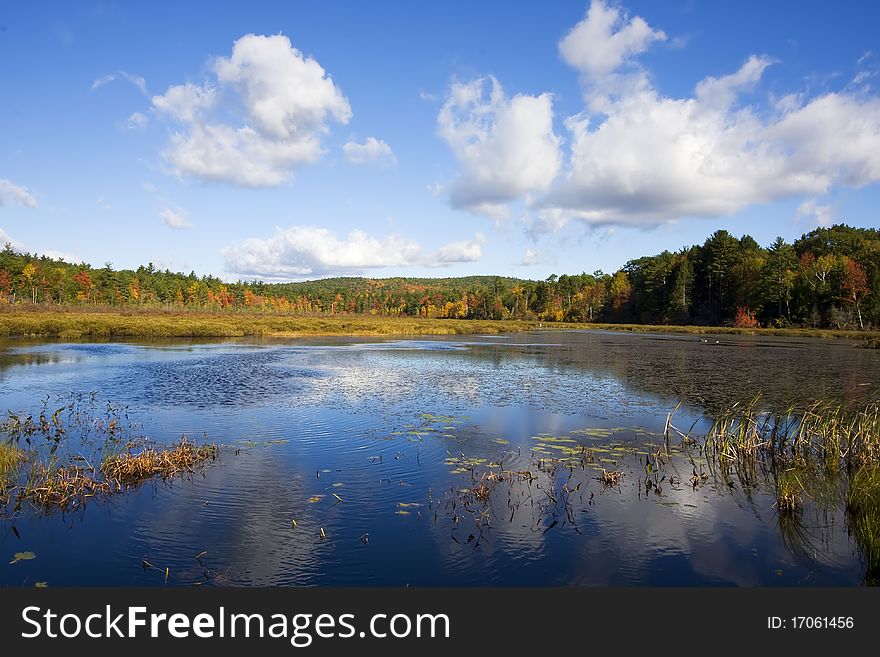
<point>23,556</point>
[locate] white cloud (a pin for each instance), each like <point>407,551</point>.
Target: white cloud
<point>822,215</point>
<point>175,217</point>
<point>6,238</point>
<point>641,158</point>
<point>185,102</point>
<point>12,194</point>
<point>456,252</point>
<point>531,257</point>
<point>136,80</point>
<point>60,255</point>
<point>720,93</point>
<point>241,156</point>
<point>371,151</point>
<point>606,39</point>
<point>308,251</point>
<point>284,103</point>
<point>137,121</point>
<point>505,147</point>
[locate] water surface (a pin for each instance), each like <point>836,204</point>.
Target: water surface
<point>380,443</point>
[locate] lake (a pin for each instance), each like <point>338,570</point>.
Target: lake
<point>439,461</point>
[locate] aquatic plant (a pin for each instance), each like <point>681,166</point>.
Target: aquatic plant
<point>789,493</point>
<point>11,459</point>
<point>60,487</point>
<point>131,469</point>
<point>863,517</point>
<point>610,477</point>
<point>53,478</point>
<point>820,430</point>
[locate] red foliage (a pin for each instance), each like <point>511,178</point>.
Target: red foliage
<point>745,318</point>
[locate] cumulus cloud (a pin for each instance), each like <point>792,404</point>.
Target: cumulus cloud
<point>12,194</point>
<point>282,100</point>
<point>184,102</point>
<point>309,251</point>
<point>639,157</point>
<point>137,121</point>
<point>531,257</point>
<point>505,147</point>
<point>822,215</point>
<point>136,80</point>
<point>6,238</point>
<point>20,247</point>
<point>457,252</point>
<point>606,39</point>
<point>177,218</point>
<point>372,151</point>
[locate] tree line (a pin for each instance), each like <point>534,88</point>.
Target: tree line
<point>829,277</point>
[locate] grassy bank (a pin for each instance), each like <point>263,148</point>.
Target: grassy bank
<point>102,323</point>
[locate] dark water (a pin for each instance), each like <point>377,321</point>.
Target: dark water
<point>402,431</point>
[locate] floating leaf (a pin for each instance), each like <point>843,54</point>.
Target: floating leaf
<point>23,556</point>
<point>315,498</point>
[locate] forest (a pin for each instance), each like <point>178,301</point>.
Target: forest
<point>829,278</point>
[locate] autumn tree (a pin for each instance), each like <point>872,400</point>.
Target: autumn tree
<point>29,274</point>
<point>84,281</point>
<point>855,285</point>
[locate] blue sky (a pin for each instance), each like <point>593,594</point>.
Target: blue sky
<point>298,140</point>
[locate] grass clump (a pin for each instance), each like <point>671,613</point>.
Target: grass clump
<point>11,459</point>
<point>789,492</point>
<point>129,469</point>
<point>823,431</point>
<point>61,487</point>
<point>863,517</point>
<point>610,477</point>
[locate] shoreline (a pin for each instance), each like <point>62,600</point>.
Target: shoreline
<point>158,323</point>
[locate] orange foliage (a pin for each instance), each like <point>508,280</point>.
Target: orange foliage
<point>745,318</point>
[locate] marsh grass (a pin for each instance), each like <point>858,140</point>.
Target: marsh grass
<point>55,472</point>
<point>610,477</point>
<point>11,460</point>
<point>863,517</point>
<point>107,323</point>
<point>822,431</point>
<point>63,487</point>
<point>129,469</point>
<point>789,492</point>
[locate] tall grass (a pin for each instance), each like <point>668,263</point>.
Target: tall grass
<point>55,471</point>
<point>105,323</point>
<point>11,460</point>
<point>821,430</point>
<point>863,517</point>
